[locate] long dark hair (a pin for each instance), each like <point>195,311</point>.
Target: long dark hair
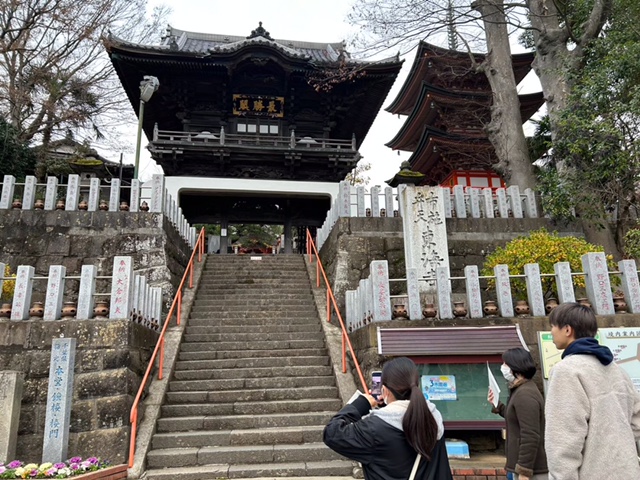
<point>400,376</point>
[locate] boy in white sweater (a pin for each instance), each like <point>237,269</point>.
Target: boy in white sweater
<point>592,407</point>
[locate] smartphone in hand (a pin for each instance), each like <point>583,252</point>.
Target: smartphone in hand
<point>376,384</point>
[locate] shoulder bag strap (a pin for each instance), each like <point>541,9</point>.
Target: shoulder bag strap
<point>415,468</point>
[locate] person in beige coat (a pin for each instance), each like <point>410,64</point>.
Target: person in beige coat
<point>592,407</point>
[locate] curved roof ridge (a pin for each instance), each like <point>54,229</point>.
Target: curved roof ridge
<point>216,37</point>
<point>232,47</point>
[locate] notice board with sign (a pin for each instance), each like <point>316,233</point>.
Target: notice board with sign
<point>459,390</point>
<point>624,343</point>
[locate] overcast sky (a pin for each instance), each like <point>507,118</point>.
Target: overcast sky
<point>307,20</point>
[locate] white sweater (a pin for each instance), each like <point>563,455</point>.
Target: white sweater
<point>592,421</point>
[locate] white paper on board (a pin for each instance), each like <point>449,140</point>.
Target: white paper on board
<point>493,386</point>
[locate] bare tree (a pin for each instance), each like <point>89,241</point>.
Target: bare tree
<point>55,76</point>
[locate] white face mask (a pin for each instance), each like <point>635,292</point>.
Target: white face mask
<point>507,373</point>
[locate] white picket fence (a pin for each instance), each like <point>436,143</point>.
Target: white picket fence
<point>153,193</point>
<point>371,300</point>
<point>130,296</point>
<point>459,201</point>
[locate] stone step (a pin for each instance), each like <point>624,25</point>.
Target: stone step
<point>230,329</point>
<point>234,290</point>
<point>333,469</point>
<point>274,336</point>
<point>257,310</point>
<point>242,295</point>
<point>250,283</point>
<point>240,303</point>
<point>301,399</point>
<point>252,318</point>
<point>213,373</point>
<point>231,422</point>
<point>261,437</point>
<point>249,383</point>
<point>258,266</point>
<point>252,362</point>
<point>250,354</point>
<point>240,454</point>
<point>264,258</point>
<point>266,345</point>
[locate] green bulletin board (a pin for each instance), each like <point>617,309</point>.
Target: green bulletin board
<point>472,385</point>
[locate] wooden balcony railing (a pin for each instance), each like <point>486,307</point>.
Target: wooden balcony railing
<point>223,139</point>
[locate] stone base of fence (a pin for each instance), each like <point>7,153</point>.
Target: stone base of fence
<point>479,473</point>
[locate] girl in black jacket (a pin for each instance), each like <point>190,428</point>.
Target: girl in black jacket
<point>389,441</point>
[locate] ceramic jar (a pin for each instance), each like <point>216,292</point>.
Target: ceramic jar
<point>551,304</point>
<point>103,205</point>
<point>69,309</point>
<point>429,310</point>
<point>83,205</point>
<point>60,204</point>
<point>459,310</point>
<point>17,203</point>
<point>101,310</point>
<point>367,212</point>
<point>39,204</point>
<point>619,304</point>
<point>584,301</point>
<point>124,206</point>
<point>490,308</point>
<point>399,311</point>
<point>37,310</point>
<point>144,206</point>
<point>522,308</point>
<point>383,212</point>
<point>5,310</point>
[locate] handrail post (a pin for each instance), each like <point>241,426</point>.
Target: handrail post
<point>328,307</point>
<point>344,353</point>
<point>132,444</point>
<point>318,273</point>
<point>190,267</point>
<point>179,307</point>
<point>161,361</point>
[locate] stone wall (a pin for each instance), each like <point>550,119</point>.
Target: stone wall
<point>355,242</point>
<point>76,238</point>
<point>111,356</point>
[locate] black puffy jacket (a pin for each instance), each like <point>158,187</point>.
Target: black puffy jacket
<point>380,447</point>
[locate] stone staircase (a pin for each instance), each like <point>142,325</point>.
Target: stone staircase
<point>253,385</point>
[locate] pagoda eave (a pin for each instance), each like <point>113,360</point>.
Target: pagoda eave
<point>425,68</point>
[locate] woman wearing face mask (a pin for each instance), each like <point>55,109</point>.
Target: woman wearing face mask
<point>401,441</point>
<point>524,416</point>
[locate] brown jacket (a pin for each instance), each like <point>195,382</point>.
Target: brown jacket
<point>524,415</point>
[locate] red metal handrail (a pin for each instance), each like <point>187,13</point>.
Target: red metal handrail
<point>331,300</point>
<point>176,307</point>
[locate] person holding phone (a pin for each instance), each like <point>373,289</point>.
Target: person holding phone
<point>403,440</point>
<point>524,416</point>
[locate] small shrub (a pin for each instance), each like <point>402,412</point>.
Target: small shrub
<point>545,249</point>
<point>8,286</point>
<point>632,243</point>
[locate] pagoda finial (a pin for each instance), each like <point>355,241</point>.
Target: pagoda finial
<point>260,32</point>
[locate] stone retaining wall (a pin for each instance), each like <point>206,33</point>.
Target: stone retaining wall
<point>76,238</point>
<point>111,356</point>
